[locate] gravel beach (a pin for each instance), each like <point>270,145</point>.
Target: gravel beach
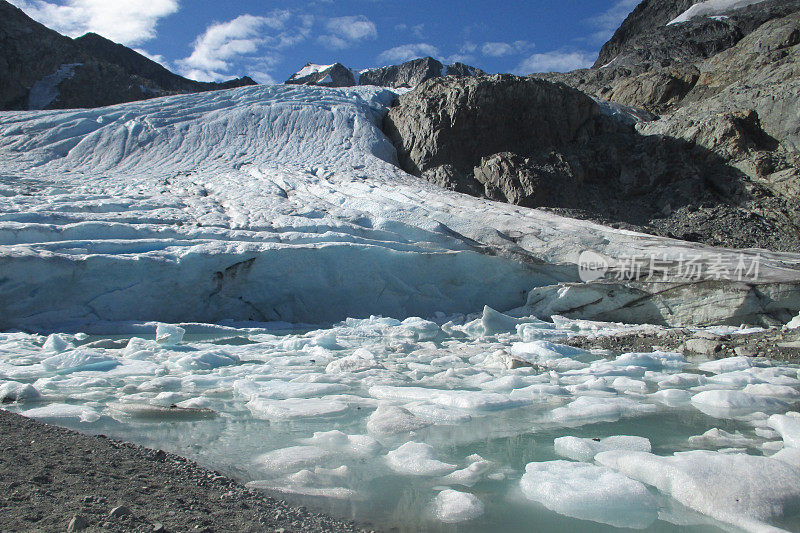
<point>54,479</point>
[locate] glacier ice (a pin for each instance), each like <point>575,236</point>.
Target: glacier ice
<point>711,483</point>
<point>452,506</point>
<point>290,189</point>
<point>590,492</point>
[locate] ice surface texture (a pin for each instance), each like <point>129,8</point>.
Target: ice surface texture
<point>260,203</point>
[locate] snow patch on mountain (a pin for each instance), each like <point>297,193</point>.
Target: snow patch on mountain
<point>45,90</point>
<point>711,8</point>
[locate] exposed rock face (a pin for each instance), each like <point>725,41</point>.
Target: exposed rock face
<point>646,58</point>
<point>41,69</point>
<point>336,75</point>
<point>539,144</point>
<point>408,74</point>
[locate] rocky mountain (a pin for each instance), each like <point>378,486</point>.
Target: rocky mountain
<point>708,148</point>
<point>42,69</point>
<point>408,74</point>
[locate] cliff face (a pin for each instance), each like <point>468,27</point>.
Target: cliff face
<point>42,69</point>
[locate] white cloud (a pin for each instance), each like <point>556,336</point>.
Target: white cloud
<point>344,32</point>
<point>555,62</point>
<point>406,52</point>
<point>243,39</point>
<point>607,22</point>
<point>129,22</point>
<point>158,58</point>
<point>500,49</point>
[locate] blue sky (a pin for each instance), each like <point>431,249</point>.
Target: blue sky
<point>269,40</point>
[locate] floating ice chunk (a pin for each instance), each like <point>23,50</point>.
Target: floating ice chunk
<point>164,383</point>
<point>579,449</point>
<point>56,412</point>
<point>267,409</point>
<point>326,340</point>
<point>336,440</point>
<point>471,474</point>
<point>539,331</point>
<point>436,414</point>
<point>293,458</point>
<point>508,383</point>
<point>56,343</point>
<point>794,323</point>
<point>283,390</point>
<point>590,410</point>
<point>417,459</point>
<point>681,381</point>
<point>736,379</point>
<point>590,492</point>
<point>626,384</point>
<point>419,329</point>
<point>13,391</point>
<point>169,335</point>
<point>743,490</point>
<point>788,427</point>
<point>460,399</point>
<point>494,322</point>
<point>195,403</point>
<point>538,392</point>
<point>359,361</point>
<point>719,438</point>
<point>731,364</point>
<point>80,360</point>
<point>502,360</point>
<point>728,403</point>
<point>673,397</point>
<point>207,360</point>
<point>388,420</point>
<point>654,360</point>
<point>136,345</point>
<point>543,351</point>
<point>767,389</point>
<point>451,506</point>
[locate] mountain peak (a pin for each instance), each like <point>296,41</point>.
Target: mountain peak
<point>408,74</point>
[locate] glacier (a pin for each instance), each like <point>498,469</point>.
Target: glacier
<point>265,203</point>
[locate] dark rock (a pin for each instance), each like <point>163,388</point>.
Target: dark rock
<point>119,512</point>
<point>41,69</point>
<point>78,523</point>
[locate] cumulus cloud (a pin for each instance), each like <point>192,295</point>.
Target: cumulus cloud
<point>406,52</point>
<point>344,32</point>
<point>243,39</point>
<point>129,22</point>
<point>555,61</point>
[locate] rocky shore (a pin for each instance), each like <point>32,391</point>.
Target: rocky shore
<point>53,479</point>
<point>774,343</point>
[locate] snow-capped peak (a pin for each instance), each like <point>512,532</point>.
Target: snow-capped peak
<point>711,8</point>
